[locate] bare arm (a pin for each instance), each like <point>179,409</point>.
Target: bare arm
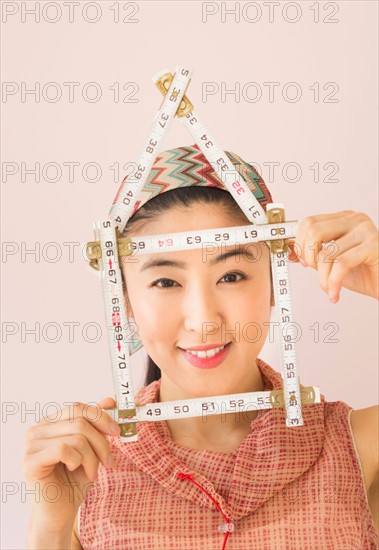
<point>39,537</point>
<point>75,542</point>
<point>365,425</point>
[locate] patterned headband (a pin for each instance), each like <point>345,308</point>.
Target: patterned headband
<point>185,167</point>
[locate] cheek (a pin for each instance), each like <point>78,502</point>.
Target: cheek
<point>151,317</point>
<point>255,304</point>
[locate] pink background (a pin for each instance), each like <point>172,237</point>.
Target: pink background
<point>168,34</point>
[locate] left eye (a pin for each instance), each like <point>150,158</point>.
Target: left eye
<point>233,275</point>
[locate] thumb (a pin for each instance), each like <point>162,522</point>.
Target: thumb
<point>108,403</point>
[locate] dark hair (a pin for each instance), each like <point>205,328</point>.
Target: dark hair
<point>182,196</point>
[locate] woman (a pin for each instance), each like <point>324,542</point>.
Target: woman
<point>187,483</point>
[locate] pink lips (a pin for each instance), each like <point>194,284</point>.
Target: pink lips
<point>206,362</point>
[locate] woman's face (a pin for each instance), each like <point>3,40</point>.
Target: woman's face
<point>198,302</point>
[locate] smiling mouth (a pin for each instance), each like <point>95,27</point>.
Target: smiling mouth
<point>203,354</point>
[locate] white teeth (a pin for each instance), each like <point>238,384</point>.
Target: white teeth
<point>208,353</point>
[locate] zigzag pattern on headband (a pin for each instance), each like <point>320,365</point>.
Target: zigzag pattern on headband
<point>187,166</point>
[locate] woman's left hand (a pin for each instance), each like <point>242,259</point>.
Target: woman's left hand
<point>351,261</point>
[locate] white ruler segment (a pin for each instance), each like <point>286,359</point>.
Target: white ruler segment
<point>111,283</point>
<point>131,187</point>
<point>221,236</point>
<point>242,403</point>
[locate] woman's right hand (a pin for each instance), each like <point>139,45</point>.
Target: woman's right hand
<point>62,458</point>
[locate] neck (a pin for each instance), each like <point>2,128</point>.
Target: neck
<point>224,431</point>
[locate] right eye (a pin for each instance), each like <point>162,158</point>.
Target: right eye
<point>155,283</point>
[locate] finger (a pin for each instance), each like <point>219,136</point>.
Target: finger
<point>43,462</point>
<point>79,427</point>
<point>315,230</point>
<point>346,261</point>
<point>329,253</point>
<point>93,414</point>
<point>324,267</point>
<point>108,403</point>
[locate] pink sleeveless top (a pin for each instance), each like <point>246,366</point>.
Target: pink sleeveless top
<point>298,488</point>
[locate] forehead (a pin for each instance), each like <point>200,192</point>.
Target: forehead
<point>197,216</point>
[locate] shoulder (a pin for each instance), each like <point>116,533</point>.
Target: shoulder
<point>365,428</point>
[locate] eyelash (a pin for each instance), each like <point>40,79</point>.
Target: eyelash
<point>154,283</point>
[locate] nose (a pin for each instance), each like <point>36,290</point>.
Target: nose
<point>202,311</point>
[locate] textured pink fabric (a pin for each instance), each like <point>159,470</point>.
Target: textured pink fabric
<point>298,488</point>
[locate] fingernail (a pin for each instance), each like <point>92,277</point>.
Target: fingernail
<point>110,461</point>
<point>114,429</point>
<point>303,262</point>
<point>332,296</point>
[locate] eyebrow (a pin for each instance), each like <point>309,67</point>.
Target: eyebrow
<point>183,265</point>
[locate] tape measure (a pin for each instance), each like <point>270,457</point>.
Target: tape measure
<point>127,195</point>
<point>111,282</point>
<point>241,403</point>
<point>187,240</point>
<point>104,254</point>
